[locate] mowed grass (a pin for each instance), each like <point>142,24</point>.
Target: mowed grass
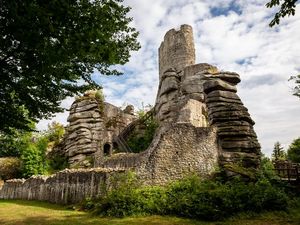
<point>16,212</point>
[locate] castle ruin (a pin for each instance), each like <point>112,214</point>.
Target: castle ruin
<point>203,124</point>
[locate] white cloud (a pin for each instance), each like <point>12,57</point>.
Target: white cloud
<point>236,37</point>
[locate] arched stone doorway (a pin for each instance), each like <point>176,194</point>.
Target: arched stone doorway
<point>107,149</point>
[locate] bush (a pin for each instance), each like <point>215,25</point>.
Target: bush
<point>57,162</point>
<point>32,162</point>
<point>193,198</point>
<point>140,140</point>
<point>9,168</point>
<point>294,151</point>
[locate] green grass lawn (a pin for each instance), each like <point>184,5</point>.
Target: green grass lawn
<point>16,212</point>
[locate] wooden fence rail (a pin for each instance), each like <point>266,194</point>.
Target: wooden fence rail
<point>288,171</point>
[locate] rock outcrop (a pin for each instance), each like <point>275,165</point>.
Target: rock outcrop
<point>93,124</point>
<point>237,138</point>
<point>83,135</point>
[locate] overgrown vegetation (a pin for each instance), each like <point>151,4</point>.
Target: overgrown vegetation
<point>47,47</point>
<point>143,134</point>
<point>31,149</point>
<point>192,198</point>
<point>293,151</point>
<point>9,168</point>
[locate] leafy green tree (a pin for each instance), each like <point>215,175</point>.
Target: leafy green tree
<point>287,8</point>
<point>296,90</point>
<point>32,161</point>
<point>55,132</point>
<point>31,148</point>
<point>14,142</point>
<point>278,152</point>
<point>46,47</point>
<point>293,152</point>
<point>267,169</point>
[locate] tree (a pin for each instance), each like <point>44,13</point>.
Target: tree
<point>296,90</point>
<point>47,46</point>
<point>278,152</point>
<point>287,8</point>
<point>294,151</point>
<point>13,143</point>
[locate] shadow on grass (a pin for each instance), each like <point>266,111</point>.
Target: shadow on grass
<point>40,204</point>
<point>85,220</point>
<point>60,215</point>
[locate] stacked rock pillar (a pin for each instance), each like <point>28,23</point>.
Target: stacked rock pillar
<point>82,141</point>
<point>167,97</point>
<point>236,136</point>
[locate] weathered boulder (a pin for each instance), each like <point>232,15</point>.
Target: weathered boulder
<point>169,84</point>
<point>217,84</point>
<point>223,94</point>
<point>230,77</point>
<point>129,110</point>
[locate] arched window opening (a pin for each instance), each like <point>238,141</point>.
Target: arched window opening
<point>107,149</point>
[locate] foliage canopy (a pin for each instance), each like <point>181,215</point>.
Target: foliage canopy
<point>287,8</point>
<point>46,47</point>
<point>294,151</point>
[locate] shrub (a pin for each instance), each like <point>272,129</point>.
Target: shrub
<point>57,162</point>
<point>294,151</point>
<point>193,198</point>
<point>9,168</point>
<point>32,162</point>
<point>140,140</point>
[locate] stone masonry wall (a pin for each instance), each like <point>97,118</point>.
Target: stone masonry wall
<point>65,187</point>
<point>180,150</point>
<point>177,50</point>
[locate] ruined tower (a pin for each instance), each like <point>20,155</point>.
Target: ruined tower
<point>177,49</point>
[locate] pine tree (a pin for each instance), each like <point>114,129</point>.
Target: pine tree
<point>278,152</point>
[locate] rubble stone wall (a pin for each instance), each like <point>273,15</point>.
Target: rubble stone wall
<point>180,150</point>
<point>177,50</point>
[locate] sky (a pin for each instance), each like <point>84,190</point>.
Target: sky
<point>232,35</point>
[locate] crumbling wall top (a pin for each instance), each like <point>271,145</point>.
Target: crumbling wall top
<point>177,50</point>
